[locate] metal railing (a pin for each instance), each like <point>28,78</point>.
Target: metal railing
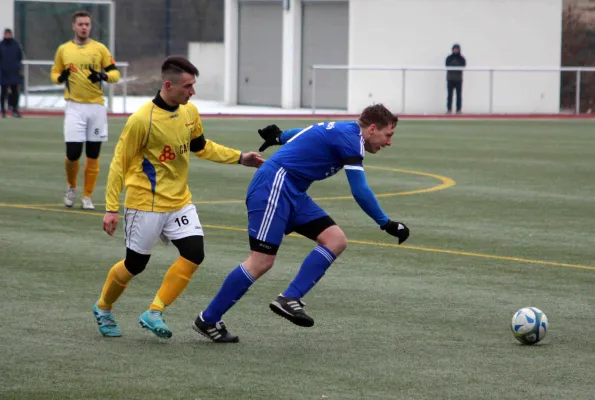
<point>490,70</point>
<point>122,66</point>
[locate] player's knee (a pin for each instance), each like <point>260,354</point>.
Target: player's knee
<point>334,239</point>
<point>258,263</point>
<point>135,262</point>
<point>92,149</point>
<point>191,248</point>
<point>74,150</point>
<point>195,256</point>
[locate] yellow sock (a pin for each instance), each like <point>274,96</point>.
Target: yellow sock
<point>72,170</point>
<point>117,280</point>
<point>91,174</point>
<point>175,281</point>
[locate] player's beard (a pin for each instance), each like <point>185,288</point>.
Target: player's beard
<point>369,147</point>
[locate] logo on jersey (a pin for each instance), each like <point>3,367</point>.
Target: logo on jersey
<point>333,171</point>
<point>167,154</point>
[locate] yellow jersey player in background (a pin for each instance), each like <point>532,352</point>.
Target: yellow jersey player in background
<point>79,65</point>
<point>151,160</point>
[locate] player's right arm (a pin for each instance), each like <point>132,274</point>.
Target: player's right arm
<point>59,73</point>
<point>133,137</point>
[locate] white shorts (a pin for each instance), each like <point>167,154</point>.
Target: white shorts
<point>143,229</point>
<point>85,122</point>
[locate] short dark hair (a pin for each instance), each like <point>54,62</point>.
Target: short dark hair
<point>81,13</point>
<point>177,65</point>
<point>378,115</point>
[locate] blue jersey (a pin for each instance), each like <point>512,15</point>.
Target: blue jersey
<point>277,201</point>
<point>319,151</point>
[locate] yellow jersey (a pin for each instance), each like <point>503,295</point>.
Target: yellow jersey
<point>81,59</point>
<point>152,157</point>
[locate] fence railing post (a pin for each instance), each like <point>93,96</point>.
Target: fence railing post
<point>26,86</point>
<point>125,89</point>
<point>313,90</point>
<point>578,92</point>
<point>403,94</point>
<point>491,102</point>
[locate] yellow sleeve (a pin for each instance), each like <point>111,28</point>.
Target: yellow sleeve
<point>58,66</point>
<point>109,65</point>
<point>218,153</point>
<point>213,151</point>
<point>133,137</point>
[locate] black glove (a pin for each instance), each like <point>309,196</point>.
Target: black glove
<point>64,75</point>
<point>96,76</point>
<point>271,135</point>
<point>396,229</point>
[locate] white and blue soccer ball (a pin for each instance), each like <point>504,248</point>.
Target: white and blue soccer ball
<point>529,325</point>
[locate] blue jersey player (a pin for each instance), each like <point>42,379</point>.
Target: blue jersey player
<point>278,204</point>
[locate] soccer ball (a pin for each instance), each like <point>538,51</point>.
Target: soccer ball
<point>529,325</point>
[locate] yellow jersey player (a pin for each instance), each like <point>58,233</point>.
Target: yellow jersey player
<point>151,160</point>
<point>82,65</point>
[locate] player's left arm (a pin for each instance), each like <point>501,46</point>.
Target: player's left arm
<point>362,193</point>
<point>111,74</point>
<point>351,149</point>
<point>209,150</point>
<point>367,201</point>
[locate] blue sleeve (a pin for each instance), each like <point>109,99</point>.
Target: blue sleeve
<point>363,194</point>
<point>288,134</point>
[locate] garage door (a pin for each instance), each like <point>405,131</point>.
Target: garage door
<point>325,40</point>
<point>260,52</point>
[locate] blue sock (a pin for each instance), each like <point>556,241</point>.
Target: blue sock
<point>234,287</point>
<point>312,269</point>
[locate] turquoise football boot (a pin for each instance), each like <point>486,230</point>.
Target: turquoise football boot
<point>153,321</point>
<point>106,322</point>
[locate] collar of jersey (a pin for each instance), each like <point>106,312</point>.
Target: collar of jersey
<point>159,102</point>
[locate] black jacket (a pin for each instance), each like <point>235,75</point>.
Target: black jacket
<point>11,57</point>
<point>455,60</point>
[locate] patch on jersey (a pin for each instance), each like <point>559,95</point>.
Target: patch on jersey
<point>167,154</point>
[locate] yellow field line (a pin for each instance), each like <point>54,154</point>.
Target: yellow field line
<point>361,242</point>
<point>446,182</point>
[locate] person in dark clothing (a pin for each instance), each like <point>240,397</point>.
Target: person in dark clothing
<point>11,57</point>
<point>454,79</point>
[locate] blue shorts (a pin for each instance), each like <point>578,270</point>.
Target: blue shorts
<point>276,208</point>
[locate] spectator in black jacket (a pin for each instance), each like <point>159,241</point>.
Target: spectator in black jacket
<point>11,57</point>
<point>454,79</point>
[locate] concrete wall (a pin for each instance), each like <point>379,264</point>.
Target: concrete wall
<point>7,15</point>
<point>209,58</point>
<point>492,33</point>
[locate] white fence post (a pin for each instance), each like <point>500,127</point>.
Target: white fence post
<point>491,109</point>
<point>403,91</point>
<point>313,90</point>
<point>578,92</point>
<point>26,91</point>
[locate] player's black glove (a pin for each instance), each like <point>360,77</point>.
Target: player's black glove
<point>96,76</point>
<point>271,135</point>
<point>396,229</point>
<point>64,75</point>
